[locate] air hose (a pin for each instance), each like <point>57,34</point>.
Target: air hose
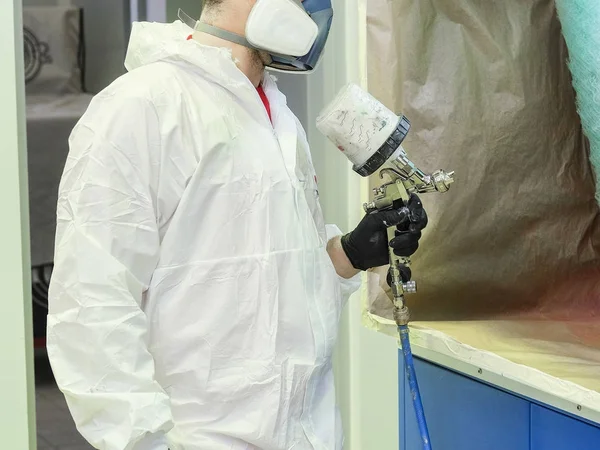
<point>411,378</point>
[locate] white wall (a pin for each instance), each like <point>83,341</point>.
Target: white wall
<point>17,421</point>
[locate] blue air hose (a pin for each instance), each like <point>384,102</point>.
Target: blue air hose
<point>411,376</point>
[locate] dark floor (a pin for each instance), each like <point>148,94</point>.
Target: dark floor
<point>55,427</point>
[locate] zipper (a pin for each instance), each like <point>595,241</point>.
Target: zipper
<point>262,106</point>
<point>274,114</point>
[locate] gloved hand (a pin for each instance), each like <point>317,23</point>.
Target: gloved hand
<point>367,246</point>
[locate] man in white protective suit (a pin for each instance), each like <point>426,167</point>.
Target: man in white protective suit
<point>196,292</point>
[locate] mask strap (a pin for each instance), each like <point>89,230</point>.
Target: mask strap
<point>186,19</point>
<point>223,34</point>
<point>209,29</point>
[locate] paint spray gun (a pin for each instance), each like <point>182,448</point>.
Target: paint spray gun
<point>371,136</point>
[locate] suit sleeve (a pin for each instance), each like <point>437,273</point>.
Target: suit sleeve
<point>107,247</point>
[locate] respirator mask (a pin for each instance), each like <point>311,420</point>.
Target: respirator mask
<point>291,32</point>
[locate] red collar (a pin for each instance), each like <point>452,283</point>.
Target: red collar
<point>265,100</point>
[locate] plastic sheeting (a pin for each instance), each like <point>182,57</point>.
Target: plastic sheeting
<point>488,90</point>
<point>518,355</point>
<point>581,27</point>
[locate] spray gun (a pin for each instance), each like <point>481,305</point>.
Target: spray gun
<point>371,136</point>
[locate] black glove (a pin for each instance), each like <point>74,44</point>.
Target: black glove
<point>367,246</point>
<point>408,233</point>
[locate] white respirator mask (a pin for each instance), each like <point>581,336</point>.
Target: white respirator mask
<point>291,32</point>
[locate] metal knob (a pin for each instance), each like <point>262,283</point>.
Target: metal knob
<point>410,287</point>
<point>443,180</point>
<point>370,207</point>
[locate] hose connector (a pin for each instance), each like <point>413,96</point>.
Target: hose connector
<point>401,316</point>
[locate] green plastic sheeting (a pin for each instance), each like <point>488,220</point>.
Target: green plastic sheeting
<point>581,28</point>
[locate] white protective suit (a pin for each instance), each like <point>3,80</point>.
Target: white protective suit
<point>193,303</point>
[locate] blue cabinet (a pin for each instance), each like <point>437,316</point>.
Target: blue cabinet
<point>465,414</point>
<point>554,431</point>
